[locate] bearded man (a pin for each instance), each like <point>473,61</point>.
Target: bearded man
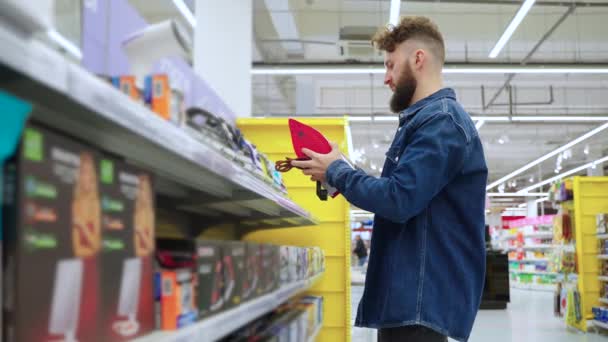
<point>426,268</point>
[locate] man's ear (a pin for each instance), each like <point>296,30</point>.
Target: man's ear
<point>420,57</point>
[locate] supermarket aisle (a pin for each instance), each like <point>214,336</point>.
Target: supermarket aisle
<point>528,318</point>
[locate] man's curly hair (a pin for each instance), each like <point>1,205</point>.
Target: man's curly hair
<point>411,27</point>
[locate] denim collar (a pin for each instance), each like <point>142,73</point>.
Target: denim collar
<point>413,109</point>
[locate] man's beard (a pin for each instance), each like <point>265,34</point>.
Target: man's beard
<point>404,90</point>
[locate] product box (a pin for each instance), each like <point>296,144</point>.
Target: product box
<point>178,306</point>
<point>293,265</point>
<point>127,251</point>
<point>209,265</point>
<point>52,224</point>
<point>157,95</point>
<point>127,85</point>
<point>176,259</point>
<point>270,268</point>
<point>251,280</point>
<point>285,257</point>
<point>317,302</point>
<point>234,272</point>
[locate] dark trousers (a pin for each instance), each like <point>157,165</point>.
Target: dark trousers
<point>410,333</point>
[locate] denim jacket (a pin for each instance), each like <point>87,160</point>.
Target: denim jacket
<point>427,260</point>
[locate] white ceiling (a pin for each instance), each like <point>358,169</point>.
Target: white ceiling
<point>470,28</point>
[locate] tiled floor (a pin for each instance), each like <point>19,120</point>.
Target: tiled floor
<point>529,317</point>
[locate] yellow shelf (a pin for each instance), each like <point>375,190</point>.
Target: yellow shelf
<point>590,199</point>
<point>332,234</point>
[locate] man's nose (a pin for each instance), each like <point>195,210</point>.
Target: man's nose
<point>387,79</point>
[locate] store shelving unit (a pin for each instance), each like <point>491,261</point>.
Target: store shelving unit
<point>590,197</point>
<point>535,287</point>
<point>539,260</point>
<point>70,99</point>
<point>191,176</point>
<point>222,324</point>
<point>333,234</point>
<point>534,272</point>
<point>523,276</point>
<point>600,324</point>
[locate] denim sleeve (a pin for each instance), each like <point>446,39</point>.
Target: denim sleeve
<point>432,158</point>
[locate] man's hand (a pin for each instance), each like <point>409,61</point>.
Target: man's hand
<point>318,163</point>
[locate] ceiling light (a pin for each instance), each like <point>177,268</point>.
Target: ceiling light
<point>565,174</point>
<point>541,200</point>
<point>560,118</point>
<point>380,170</point>
<point>549,155</point>
<point>185,11</point>
<point>394,14</point>
<point>478,119</point>
<point>479,124</point>
<point>521,14</point>
<point>65,44</point>
<point>523,205</point>
<point>531,180</point>
<point>586,150</point>
<point>501,141</point>
<point>376,146</point>
<point>516,194</point>
<point>374,167</point>
<point>365,70</point>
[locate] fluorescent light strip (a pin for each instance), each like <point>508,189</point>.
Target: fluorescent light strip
<point>565,174</point>
<point>534,70</point>
<point>556,118</point>
<point>479,124</point>
<point>548,155</point>
<point>523,205</point>
<point>541,200</point>
<point>394,14</point>
<point>519,17</point>
<point>185,11</point>
<point>516,194</point>
<point>67,45</point>
<point>369,118</point>
<point>448,70</point>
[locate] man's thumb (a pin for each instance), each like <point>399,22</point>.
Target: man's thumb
<point>309,153</point>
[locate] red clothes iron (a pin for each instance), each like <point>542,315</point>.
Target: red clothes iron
<point>304,136</point>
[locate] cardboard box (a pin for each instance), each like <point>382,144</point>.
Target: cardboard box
<point>177,298</point>
<point>52,223</point>
<point>210,265</point>
<point>127,85</point>
<point>127,272</point>
<point>157,95</point>
<point>251,281</point>
<point>234,272</point>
